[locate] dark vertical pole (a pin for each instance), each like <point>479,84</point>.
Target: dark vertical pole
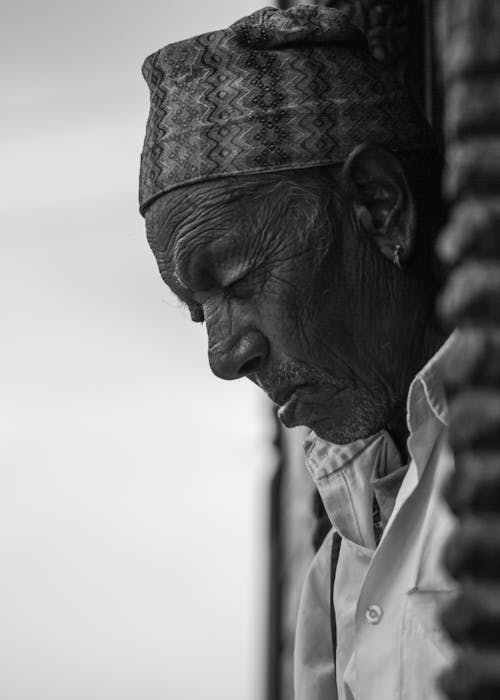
<point>275,587</point>
<point>433,98</point>
<point>468,33</point>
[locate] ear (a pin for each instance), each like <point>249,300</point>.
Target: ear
<point>381,200</point>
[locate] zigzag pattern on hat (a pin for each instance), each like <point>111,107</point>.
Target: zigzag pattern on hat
<point>276,90</point>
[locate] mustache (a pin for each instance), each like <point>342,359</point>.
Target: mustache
<point>288,375</point>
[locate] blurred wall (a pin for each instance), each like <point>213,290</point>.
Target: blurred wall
<point>132,482</point>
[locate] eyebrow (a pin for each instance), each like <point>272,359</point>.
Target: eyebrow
<point>183,296</point>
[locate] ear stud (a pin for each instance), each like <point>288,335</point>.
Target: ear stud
<point>396,256</point>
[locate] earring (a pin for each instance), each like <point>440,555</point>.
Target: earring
<point>395,257</point>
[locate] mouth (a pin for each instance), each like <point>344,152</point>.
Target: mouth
<point>306,405</point>
<point>282,396</point>
<point>289,404</point>
<point>286,412</point>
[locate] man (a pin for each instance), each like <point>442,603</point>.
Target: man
<point>291,195</point>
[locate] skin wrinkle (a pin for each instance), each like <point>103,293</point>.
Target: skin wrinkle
<point>212,320</point>
<point>316,300</point>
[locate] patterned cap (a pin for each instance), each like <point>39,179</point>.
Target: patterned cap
<point>278,89</point>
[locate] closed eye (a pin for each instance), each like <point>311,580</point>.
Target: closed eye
<point>241,288</point>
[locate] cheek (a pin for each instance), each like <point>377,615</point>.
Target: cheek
<point>284,308</point>
<point>326,314</point>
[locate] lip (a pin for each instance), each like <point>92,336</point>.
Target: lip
<point>282,396</point>
<point>288,409</point>
<point>295,411</point>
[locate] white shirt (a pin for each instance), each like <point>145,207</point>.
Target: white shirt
<point>386,598</point>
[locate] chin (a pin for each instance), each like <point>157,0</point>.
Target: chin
<point>345,426</point>
<point>340,417</point>
<point>340,434</point>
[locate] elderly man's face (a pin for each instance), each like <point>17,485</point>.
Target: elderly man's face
<point>324,331</point>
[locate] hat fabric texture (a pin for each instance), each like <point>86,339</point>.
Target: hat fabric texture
<point>277,90</point>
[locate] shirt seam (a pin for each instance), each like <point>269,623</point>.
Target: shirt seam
<point>353,510</point>
<point>433,404</point>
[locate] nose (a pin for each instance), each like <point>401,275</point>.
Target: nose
<point>233,359</point>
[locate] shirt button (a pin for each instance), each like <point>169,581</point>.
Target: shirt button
<point>374,614</point>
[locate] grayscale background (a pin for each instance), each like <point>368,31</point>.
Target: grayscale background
<point>133,484</point>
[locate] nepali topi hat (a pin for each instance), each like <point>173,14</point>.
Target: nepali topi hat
<point>277,90</point>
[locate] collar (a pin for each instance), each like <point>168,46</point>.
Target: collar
<point>344,476</point>
<point>427,390</point>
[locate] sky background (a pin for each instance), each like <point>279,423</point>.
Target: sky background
<point>133,484</point>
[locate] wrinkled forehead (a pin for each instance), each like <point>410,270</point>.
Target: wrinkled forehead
<point>200,220</point>
<point>223,208</point>
<point>199,211</point>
